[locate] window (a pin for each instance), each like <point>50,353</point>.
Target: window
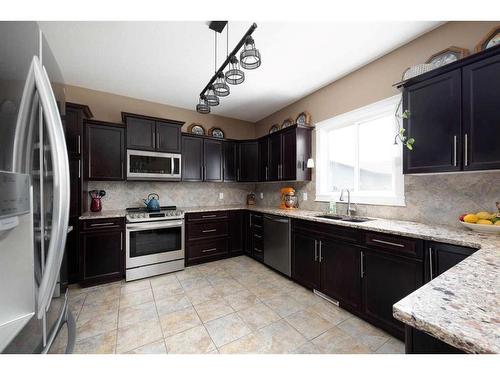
<point>356,150</point>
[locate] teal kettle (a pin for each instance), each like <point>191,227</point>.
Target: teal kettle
<point>152,202</point>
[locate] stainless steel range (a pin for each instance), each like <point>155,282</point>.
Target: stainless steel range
<point>154,242</point>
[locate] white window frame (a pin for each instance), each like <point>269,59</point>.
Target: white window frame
<point>356,117</point>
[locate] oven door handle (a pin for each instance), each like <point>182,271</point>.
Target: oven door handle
<point>148,226</point>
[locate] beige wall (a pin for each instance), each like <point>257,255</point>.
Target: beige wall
<point>374,81</point>
<point>108,107</point>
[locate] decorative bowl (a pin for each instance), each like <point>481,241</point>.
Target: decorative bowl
<point>482,228</point>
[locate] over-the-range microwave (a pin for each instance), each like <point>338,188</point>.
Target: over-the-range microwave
<point>149,165</point>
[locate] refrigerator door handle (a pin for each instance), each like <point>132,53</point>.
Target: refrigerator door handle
<point>60,213</point>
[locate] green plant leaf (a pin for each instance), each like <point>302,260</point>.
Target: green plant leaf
<point>411,141</point>
<point>402,131</point>
<point>409,146</point>
<point>405,114</point>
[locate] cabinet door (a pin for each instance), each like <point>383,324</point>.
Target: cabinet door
<point>105,152</point>
<point>72,131</point>
<point>168,137</point>
<point>141,134</point>
<point>441,257</point>
<point>192,158</point>
<point>236,232</point>
<point>274,172</point>
<point>72,253</point>
<point>435,123</point>
<point>212,151</point>
<point>248,156</point>
<point>305,264</point>
<point>74,187</point>
<point>247,234</point>
<point>264,159</point>
<point>289,155</point>
<point>481,114</point>
<point>230,149</point>
<point>341,273</point>
<point>102,256</point>
<point>386,280</point>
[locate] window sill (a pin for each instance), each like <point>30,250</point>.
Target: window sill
<point>375,201</point>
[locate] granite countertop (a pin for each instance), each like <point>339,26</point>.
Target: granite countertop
<point>460,307</point>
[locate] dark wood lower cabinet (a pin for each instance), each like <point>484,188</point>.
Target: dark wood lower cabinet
<point>305,266</point>
<point>236,240</point>
<point>388,278</point>
<point>102,255</point>
<point>72,253</point>
<point>418,342</point>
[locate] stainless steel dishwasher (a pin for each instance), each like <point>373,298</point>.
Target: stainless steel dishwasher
<point>277,243</point>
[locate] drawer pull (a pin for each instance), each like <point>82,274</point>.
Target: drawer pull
<point>209,230</point>
<point>208,216</point>
<point>257,250</point>
<point>257,226</point>
<point>209,250</point>
<point>388,243</point>
<point>257,235</point>
<point>101,224</point>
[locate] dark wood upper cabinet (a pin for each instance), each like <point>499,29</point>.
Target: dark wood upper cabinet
<point>290,161</point>
<point>275,154</point>
<point>192,158</point>
<point>168,137</point>
<point>213,160</point>
<point>435,124</point>
<point>141,134</point>
<point>248,156</point>
<point>152,133</point>
<point>340,272</point>
<point>230,158</point>
<point>104,151</point>
<point>481,114</point>
<point>264,159</point>
<point>73,127</point>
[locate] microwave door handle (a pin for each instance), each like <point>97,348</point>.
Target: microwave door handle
<point>60,214</point>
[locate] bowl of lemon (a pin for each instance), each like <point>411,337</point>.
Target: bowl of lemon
<point>484,222</point>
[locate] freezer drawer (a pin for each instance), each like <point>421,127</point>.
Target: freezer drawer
<point>277,243</point>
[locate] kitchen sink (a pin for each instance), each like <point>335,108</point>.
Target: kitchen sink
<point>351,219</point>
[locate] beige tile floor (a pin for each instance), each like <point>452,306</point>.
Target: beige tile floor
<point>234,305</point>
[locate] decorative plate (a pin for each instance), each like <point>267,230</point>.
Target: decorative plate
<point>196,129</point>
<point>447,56</point>
<point>216,132</point>
<point>482,228</point>
<point>288,122</point>
<point>303,119</point>
<point>274,128</point>
<point>490,40</point>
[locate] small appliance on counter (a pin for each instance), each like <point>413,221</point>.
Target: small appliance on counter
<point>152,202</point>
<point>96,203</point>
<point>289,200</point>
<point>251,199</point>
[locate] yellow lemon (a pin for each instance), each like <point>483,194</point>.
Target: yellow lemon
<point>484,221</point>
<point>483,215</point>
<point>497,223</point>
<point>471,218</point>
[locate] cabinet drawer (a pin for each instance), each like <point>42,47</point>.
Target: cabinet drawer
<point>211,215</point>
<point>207,248</point>
<point>329,230</point>
<point>256,221</point>
<point>101,224</point>
<point>207,229</point>
<point>395,244</point>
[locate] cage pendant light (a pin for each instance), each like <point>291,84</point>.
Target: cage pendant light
<point>220,86</point>
<point>234,75</point>
<point>202,106</point>
<point>212,99</point>
<point>250,56</point>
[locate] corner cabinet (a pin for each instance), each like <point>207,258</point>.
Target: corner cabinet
<point>104,151</point>
<point>248,156</point>
<point>152,134</point>
<point>454,114</point>
<point>202,159</point>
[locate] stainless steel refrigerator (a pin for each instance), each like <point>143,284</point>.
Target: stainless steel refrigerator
<point>34,193</point>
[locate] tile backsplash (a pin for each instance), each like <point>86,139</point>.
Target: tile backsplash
<point>432,199</point>
<point>122,194</point>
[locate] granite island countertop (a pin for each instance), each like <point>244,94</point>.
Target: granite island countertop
<point>460,307</point>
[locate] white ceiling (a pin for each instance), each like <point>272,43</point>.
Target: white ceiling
<point>170,62</point>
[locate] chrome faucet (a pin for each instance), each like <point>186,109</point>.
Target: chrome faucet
<point>341,198</point>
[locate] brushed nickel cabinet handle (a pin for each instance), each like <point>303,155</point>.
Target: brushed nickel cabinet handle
<point>430,263</point>
<point>79,168</point>
<point>121,241</point>
<point>320,251</point>
<point>257,250</point>
<point>466,151</point>
<point>101,224</point>
<point>79,150</point>
<point>257,235</point>
<point>208,216</point>
<point>209,250</point>
<point>209,230</point>
<point>388,243</point>
<point>455,150</point>
<point>362,265</point>
<point>315,250</point>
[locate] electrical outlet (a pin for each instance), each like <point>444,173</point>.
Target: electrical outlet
<point>221,196</point>
<point>304,196</point>
<point>261,195</point>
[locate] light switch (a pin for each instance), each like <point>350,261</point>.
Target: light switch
<point>221,196</point>
<point>261,195</point>
<point>304,196</point>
